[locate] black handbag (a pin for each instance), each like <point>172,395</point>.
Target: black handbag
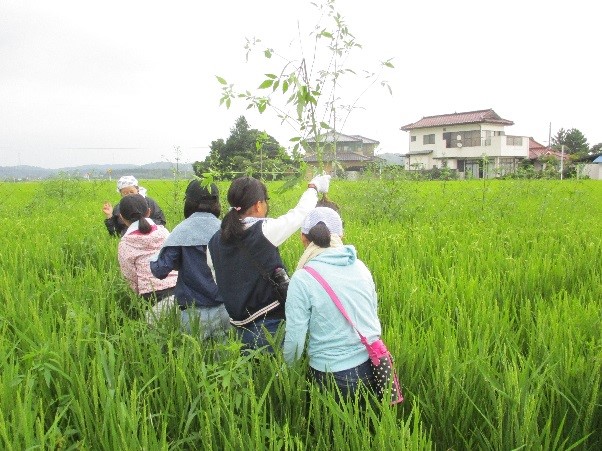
<point>279,278</point>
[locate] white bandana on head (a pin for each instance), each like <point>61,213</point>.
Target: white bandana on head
<point>125,181</point>
<point>332,220</point>
<point>326,215</point>
<point>130,180</point>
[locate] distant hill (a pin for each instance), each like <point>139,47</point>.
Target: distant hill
<point>160,170</point>
<point>392,158</point>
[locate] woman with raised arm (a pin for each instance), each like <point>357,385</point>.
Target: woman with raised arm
<point>246,262</point>
<point>127,185</point>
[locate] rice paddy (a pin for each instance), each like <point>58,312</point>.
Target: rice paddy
<point>490,297</point>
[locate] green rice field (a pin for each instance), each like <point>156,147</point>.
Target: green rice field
<point>490,297</point>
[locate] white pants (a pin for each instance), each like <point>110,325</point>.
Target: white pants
<point>208,322</point>
<point>163,307</point>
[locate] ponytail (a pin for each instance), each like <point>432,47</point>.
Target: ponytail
<point>134,207</point>
<point>319,235</point>
<point>144,226</point>
<point>243,193</point>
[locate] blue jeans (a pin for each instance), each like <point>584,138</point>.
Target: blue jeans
<point>348,381</point>
<point>209,322</point>
<point>253,335</point>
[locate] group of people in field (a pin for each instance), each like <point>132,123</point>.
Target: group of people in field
<point>227,275</point>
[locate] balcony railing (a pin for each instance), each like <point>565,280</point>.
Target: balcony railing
<point>514,140</point>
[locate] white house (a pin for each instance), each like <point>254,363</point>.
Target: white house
<point>473,143</point>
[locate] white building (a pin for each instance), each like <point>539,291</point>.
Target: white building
<point>473,143</point>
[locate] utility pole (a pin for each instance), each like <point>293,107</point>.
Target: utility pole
<point>561,160</point>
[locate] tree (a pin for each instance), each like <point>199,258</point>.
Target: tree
<point>573,140</point>
<point>596,149</point>
<point>305,89</point>
<point>246,151</point>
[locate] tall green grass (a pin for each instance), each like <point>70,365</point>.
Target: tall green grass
<point>490,295</point>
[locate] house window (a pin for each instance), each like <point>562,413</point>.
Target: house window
<point>514,140</point>
<point>428,139</point>
<point>468,138</point>
<point>506,166</point>
<point>460,165</point>
<point>413,138</point>
<point>487,138</point>
<point>447,139</point>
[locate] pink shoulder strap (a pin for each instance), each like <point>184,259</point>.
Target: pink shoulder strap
<point>335,299</point>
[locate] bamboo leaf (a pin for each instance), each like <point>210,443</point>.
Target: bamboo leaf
<point>266,84</point>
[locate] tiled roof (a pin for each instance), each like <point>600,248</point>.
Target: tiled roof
<point>341,138</point>
<point>470,117</point>
<point>534,144</point>
<point>366,140</point>
<point>537,150</point>
<point>419,152</point>
<point>341,156</point>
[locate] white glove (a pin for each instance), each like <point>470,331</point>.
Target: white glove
<point>321,182</point>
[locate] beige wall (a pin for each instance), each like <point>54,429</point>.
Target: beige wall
<point>593,171</point>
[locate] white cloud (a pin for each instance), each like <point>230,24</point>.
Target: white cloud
<point>141,75</point>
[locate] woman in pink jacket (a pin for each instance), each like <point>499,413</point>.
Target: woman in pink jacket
<point>142,239</point>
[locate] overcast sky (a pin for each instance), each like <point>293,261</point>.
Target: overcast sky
<point>128,81</point>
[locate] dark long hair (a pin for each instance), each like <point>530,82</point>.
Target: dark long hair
<point>243,193</point>
<point>319,235</point>
<point>134,207</point>
<point>201,199</point>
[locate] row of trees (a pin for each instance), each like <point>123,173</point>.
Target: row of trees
<point>249,151</point>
